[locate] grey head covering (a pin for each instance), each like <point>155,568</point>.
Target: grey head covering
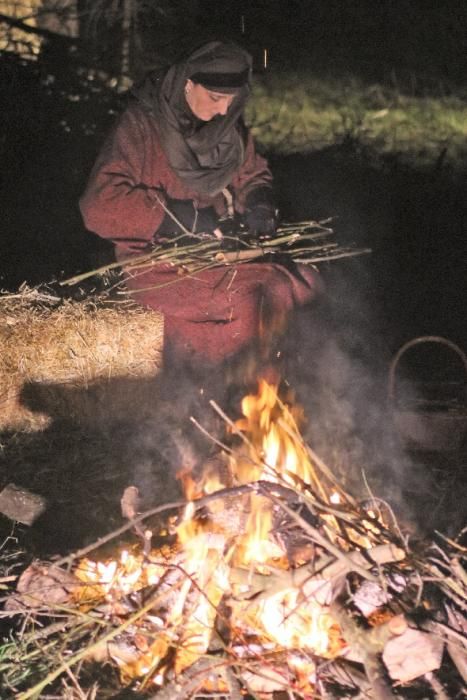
<point>205,155</point>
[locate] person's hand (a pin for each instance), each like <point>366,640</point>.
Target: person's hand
<point>193,220</point>
<point>260,213</point>
<point>261,220</point>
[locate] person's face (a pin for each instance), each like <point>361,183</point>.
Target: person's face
<point>206,104</point>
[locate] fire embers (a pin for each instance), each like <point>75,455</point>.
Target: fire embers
<point>273,574</point>
<point>246,579</point>
<point>197,601</point>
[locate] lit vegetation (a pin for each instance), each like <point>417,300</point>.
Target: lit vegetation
<point>304,113</point>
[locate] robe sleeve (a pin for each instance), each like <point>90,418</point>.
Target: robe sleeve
<point>119,202</point>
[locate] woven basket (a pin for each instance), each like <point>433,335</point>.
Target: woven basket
<point>437,423</point>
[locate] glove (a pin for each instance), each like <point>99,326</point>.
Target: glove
<point>194,220</point>
<point>260,213</point>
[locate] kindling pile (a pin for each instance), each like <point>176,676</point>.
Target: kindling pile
<point>269,578</point>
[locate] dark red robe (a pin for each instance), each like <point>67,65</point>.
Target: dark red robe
<point>216,313</point>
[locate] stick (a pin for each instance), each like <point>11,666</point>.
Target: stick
<point>199,503</point>
<point>369,644</point>
<point>438,689</point>
<point>81,655</point>
<point>264,586</point>
<point>320,539</point>
<point>115,533</point>
<point>239,255</point>
<point>459,659</point>
<point>189,680</point>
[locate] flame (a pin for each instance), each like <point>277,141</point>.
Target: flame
<point>273,429</point>
<point>335,498</point>
<point>296,626</point>
<point>294,620</point>
<point>115,578</point>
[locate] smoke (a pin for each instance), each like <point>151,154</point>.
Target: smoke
<point>336,362</point>
<point>338,367</point>
<point>167,440</point>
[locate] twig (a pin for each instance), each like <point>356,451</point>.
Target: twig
<point>292,241</point>
<point>189,680</point>
<point>223,493</point>
<point>323,541</point>
<point>213,439</point>
<point>459,659</point>
<point>264,586</point>
<point>438,690</point>
<point>368,644</point>
<point>70,558</point>
<point>79,656</point>
<point>234,684</point>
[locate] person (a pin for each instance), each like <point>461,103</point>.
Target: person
<point>176,158</point>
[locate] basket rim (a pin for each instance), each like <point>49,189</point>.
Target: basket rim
<point>411,344</point>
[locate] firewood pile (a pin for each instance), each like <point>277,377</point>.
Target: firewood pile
<point>268,581</point>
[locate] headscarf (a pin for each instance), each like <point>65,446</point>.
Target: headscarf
<point>205,155</point>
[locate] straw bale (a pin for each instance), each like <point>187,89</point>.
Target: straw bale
<point>80,360</point>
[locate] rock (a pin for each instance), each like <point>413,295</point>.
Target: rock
<point>21,505</point>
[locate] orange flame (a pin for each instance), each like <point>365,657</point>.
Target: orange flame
<point>270,450</point>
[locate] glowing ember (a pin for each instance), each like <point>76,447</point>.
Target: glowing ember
<point>116,578</point>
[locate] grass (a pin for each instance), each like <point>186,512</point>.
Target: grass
<point>293,113</point>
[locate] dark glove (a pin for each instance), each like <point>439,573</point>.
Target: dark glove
<point>194,220</point>
<point>260,213</point>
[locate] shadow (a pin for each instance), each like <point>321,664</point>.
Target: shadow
<point>100,439</point>
<point>103,437</point>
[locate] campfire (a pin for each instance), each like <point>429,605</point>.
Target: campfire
<point>268,581</point>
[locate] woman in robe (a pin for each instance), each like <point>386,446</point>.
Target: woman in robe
<point>179,154</point>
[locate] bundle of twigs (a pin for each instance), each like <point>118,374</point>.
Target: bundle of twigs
<point>306,242</point>
<point>421,590</point>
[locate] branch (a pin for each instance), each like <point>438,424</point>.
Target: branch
<point>190,680</point>
<point>369,644</point>
<point>264,586</point>
<point>40,31</point>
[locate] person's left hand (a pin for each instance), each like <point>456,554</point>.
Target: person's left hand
<point>260,213</point>
<point>261,220</point>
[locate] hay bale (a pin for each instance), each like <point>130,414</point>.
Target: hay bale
<point>78,360</point>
